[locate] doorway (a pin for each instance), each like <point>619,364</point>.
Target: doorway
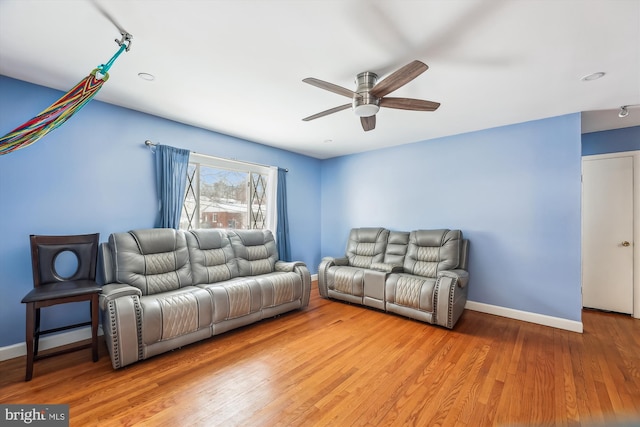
<point>609,230</point>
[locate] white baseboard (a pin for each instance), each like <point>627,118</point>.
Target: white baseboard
<point>51,341</point>
<point>541,319</point>
<point>314,277</point>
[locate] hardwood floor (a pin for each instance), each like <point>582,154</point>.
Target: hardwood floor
<point>341,365</point>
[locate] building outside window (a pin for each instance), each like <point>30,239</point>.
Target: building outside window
<point>224,193</point>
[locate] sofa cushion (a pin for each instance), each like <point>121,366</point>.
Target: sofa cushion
<point>256,251</point>
<point>211,256</point>
<point>152,260</point>
<point>171,314</point>
<point>234,298</point>
<point>409,290</point>
<point>431,251</point>
<point>366,246</point>
<point>346,280</point>
<point>279,288</point>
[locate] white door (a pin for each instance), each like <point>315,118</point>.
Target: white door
<point>607,234</point>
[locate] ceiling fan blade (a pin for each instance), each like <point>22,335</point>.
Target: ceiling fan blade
<point>409,104</point>
<point>327,112</point>
<point>109,16</point>
<point>399,78</point>
<point>396,41</point>
<point>368,123</point>
<point>330,87</point>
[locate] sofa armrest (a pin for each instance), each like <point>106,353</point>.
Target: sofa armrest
<point>450,296</point>
<point>112,291</point>
<point>387,268</point>
<point>461,276</point>
<point>301,269</point>
<point>323,271</point>
<point>288,266</point>
<point>122,323</point>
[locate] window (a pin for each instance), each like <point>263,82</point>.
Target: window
<point>224,193</point>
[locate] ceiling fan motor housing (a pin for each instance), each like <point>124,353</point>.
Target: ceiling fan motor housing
<point>365,104</point>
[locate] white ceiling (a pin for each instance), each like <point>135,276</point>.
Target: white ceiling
<point>236,66</point>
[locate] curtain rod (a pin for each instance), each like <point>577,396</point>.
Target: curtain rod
<point>151,144</point>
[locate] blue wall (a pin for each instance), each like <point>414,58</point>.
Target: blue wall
<point>94,174</point>
<point>513,190</point>
<point>611,141</point>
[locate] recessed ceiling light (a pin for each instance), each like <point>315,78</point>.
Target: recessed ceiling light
<point>593,76</point>
<point>146,76</point>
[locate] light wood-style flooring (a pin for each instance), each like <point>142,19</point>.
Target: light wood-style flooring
<point>335,364</point>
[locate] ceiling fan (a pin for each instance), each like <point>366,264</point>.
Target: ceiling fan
<point>370,94</point>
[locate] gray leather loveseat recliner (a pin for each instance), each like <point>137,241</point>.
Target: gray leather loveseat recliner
<point>420,274</point>
<point>166,288</point>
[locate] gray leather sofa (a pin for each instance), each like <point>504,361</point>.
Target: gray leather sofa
<point>420,274</point>
<point>166,288</point>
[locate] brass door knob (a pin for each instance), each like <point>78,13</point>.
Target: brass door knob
<point>625,243</point>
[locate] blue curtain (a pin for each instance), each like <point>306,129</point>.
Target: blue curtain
<point>284,250</point>
<point>171,180</point>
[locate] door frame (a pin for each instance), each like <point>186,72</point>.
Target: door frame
<point>636,219</point>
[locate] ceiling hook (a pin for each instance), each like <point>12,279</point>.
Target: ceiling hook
<point>126,38</point>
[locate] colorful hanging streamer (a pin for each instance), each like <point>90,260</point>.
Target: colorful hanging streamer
<point>53,116</point>
<point>63,109</point>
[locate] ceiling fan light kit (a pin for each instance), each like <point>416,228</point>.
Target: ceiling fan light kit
<point>370,94</point>
<point>365,110</point>
<point>366,104</point>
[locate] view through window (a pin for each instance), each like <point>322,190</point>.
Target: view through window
<point>224,194</point>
